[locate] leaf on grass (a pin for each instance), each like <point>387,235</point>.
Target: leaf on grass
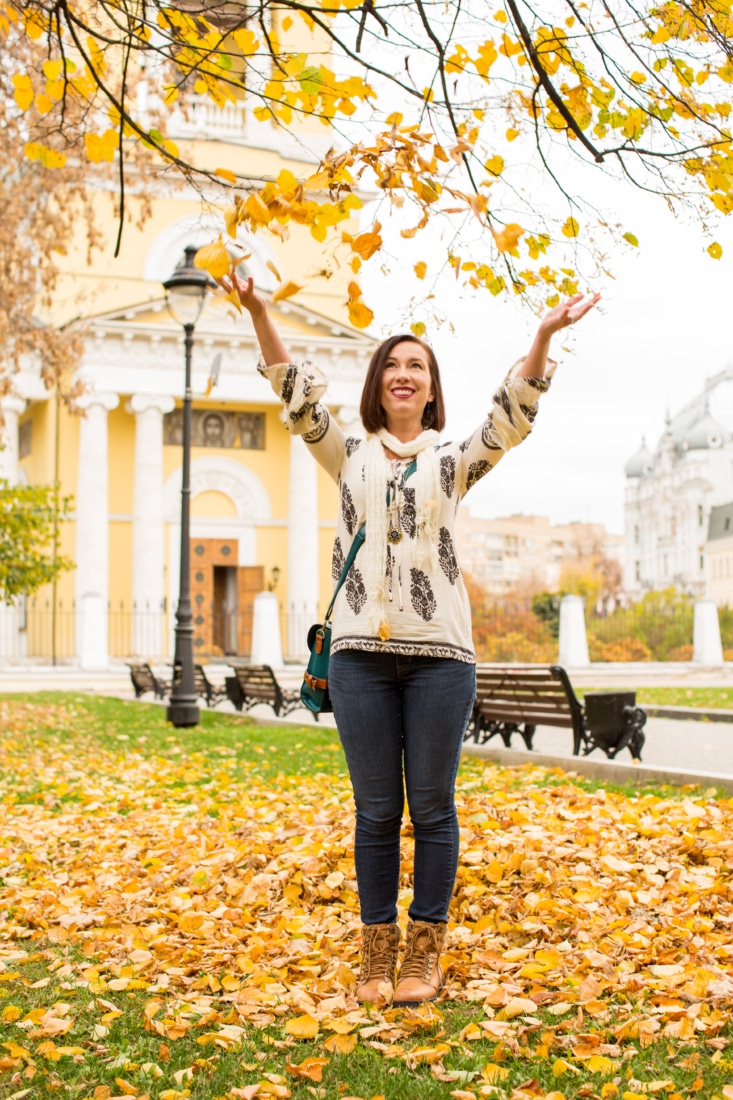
<point>302,1027</point>
<point>311,1068</point>
<point>340,1044</point>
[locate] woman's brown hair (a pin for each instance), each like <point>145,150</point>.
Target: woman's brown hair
<point>371,411</point>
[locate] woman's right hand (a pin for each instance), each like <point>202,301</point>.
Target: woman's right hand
<point>245,291</point>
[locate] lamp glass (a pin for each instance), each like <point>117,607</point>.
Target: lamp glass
<point>186,302</point>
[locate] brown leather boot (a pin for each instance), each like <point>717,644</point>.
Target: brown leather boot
<point>421,978</point>
<point>379,946</point>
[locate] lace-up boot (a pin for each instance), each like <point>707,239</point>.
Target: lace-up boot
<point>421,978</point>
<point>379,946</point>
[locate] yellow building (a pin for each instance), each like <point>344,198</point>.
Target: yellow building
<point>263,515</point>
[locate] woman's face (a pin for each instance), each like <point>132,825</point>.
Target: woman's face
<point>407,386</point>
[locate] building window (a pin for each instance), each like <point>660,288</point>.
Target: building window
<point>25,438</point>
<point>700,515</point>
<point>637,533</point>
<point>702,561</point>
<point>637,570</point>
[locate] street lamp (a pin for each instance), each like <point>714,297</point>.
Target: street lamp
<point>186,293</point>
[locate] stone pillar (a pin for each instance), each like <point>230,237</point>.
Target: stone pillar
<point>266,644</point>
<point>148,591</point>
<point>302,548</point>
<point>12,408</point>
<point>707,647</point>
<point>92,532</point>
<point>573,638</point>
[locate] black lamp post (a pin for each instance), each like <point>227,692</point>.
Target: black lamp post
<point>186,292</point>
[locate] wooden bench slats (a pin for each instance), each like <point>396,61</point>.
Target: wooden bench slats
<point>518,698</point>
<point>253,684</point>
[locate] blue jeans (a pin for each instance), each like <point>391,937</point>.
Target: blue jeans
<point>394,712</point>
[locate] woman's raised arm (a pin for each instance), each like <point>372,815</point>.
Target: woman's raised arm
<point>271,345</point>
<point>562,316</point>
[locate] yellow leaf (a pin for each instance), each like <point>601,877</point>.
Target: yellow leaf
<point>418,328</point>
<point>492,1073</point>
<point>302,1027</point>
<point>511,134</point>
<point>215,259</point>
<point>340,1044</point>
<point>429,1055</point>
<point>274,271</point>
<point>257,209</point>
<point>366,244</point>
<point>420,269</point>
<point>715,250</point>
<point>571,227</point>
<point>285,290</point>
<point>495,165</point>
<point>508,238</point>
<point>560,1066</point>
<point>631,239</point>
<point>51,69</point>
<point>312,1068</point>
<point>225,174</point>
<point>360,316</point>
<point>10,1014</point>
<point>598,1063</point>
<point>23,94</point>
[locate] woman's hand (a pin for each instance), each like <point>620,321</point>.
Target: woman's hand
<point>245,291</point>
<point>566,314</point>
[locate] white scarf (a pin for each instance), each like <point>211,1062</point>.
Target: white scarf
<point>426,480</point>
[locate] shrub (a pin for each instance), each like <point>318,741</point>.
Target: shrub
<point>622,649</point>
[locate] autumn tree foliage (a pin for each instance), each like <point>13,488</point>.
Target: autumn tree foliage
<point>450,111</point>
<point>29,519</point>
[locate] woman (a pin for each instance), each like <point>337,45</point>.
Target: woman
<point>402,671</point>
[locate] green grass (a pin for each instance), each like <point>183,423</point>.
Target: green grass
<point>703,697</point>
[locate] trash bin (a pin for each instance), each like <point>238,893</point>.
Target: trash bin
<point>614,721</point>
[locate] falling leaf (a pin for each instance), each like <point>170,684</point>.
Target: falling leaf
<point>214,258</point>
<point>420,268</point>
<point>715,250</point>
<point>631,239</point>
<point>274,270</point>
<point>285,290</point>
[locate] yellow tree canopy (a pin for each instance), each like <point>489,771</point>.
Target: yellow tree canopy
<point>486,96</point>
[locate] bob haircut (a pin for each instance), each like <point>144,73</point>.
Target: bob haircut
<point>370,409</point>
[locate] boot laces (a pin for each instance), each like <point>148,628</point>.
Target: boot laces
<point>421,955</point>
<point>379,953</point>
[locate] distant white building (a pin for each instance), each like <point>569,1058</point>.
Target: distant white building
<point>670,494</point>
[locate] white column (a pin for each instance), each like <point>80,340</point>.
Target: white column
<point>707,647</point>
<point>92,531</point>
<point>12,408</point>
<point>266,644</point>
<point>302,547</point>
<point>573,638</point>
<point>147,525</point>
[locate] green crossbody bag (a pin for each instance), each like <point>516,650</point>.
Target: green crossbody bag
<point>314,689</point>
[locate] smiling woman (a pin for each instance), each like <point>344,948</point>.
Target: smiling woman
<point>402,673</point>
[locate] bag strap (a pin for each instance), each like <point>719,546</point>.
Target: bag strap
<point>356,547</point>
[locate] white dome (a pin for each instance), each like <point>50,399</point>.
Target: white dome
<point>640,463</point>
<point>706,433</point>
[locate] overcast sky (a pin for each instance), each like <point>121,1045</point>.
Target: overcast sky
<point>665,323</point>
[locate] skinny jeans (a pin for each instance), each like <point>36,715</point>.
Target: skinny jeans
<point>401,721</point>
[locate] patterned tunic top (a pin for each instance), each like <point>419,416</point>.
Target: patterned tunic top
<point>435,619</point>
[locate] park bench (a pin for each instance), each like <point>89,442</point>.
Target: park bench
<point>144,680</point>
<point>518,698</point>
<point>252,684</point>
<point>204,687</point>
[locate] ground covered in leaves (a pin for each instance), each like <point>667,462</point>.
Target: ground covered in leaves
<point>178,918</point>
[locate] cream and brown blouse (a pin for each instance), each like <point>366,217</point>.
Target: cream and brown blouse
<point>435,618</point>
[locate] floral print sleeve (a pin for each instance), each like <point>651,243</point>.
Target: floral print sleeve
<point>300,387</point>
<point>509,421</point>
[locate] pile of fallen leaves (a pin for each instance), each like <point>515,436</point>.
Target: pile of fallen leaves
<point>586,925</point>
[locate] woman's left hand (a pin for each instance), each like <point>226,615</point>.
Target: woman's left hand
<point>567,313</point>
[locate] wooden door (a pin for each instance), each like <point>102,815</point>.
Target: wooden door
<point>205,554</point>
<point>250,581</point>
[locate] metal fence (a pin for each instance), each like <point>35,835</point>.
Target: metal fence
<point>34,628</point>
<point>661,632</point>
